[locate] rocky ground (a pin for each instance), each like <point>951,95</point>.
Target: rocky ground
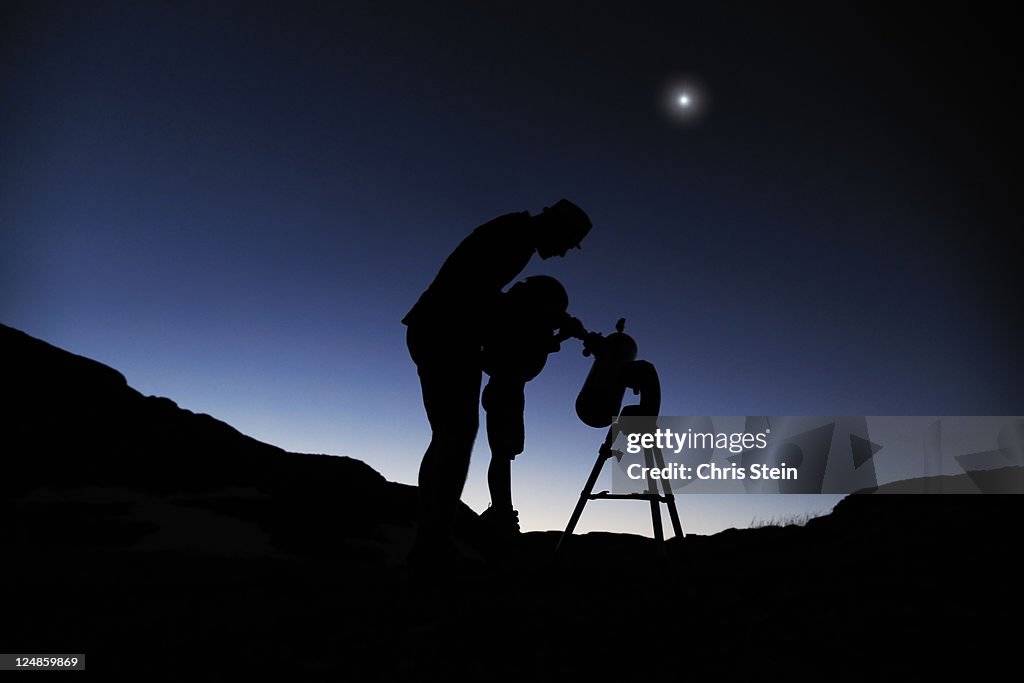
<point>165,544</point>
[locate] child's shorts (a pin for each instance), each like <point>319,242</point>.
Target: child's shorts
<point>504,402</point>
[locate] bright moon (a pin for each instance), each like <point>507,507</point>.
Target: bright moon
<point>684,100</point>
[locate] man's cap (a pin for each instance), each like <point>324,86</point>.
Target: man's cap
<point>572,217</point>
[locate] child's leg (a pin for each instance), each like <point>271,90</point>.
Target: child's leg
<point>499,481</point>
<point>503,402</point>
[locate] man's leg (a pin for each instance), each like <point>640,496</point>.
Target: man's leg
<point>450,382</point>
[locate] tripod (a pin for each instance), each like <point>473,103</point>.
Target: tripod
<point>643,379</point>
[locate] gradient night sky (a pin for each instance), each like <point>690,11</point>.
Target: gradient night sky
<point>235,205</point>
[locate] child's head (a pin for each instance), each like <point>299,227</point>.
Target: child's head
<point>543,296</point>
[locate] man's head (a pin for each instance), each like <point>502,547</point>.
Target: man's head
<point>560,228</point>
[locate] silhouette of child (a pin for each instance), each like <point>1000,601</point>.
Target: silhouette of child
<point>518,340</point>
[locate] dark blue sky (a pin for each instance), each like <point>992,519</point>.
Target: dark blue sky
<point>235,205</point>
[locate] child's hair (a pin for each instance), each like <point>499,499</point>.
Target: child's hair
<point>542,294</point>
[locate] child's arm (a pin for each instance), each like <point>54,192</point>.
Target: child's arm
<point>570,327</point>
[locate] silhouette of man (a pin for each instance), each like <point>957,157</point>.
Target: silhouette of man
<point>444,336</point>
<point>531,321</point>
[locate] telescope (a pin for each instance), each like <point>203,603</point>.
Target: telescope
<point>616,369</point>
<point>599,405</point>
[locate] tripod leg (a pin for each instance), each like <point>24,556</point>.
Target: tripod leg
<point>587,489</point>
<point>673,513</point>
<point>578,511</point>
<point>659,533</point>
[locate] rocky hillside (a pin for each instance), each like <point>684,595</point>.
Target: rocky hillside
<point>163,543</point>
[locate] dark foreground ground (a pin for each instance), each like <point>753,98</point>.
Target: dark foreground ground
<point>165,545</point>
<point>887,584</point>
